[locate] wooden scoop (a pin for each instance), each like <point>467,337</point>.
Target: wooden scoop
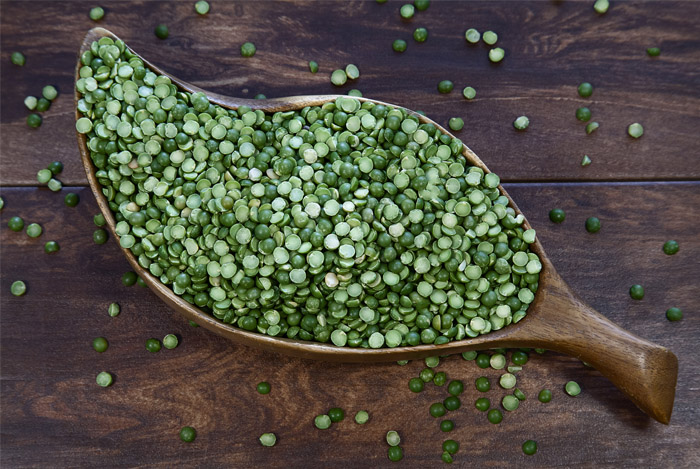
<point>556,320</point>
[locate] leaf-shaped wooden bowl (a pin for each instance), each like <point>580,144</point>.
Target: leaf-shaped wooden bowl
<point>557,319</point>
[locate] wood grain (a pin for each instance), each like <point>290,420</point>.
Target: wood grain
<point>551,47</point>
<point>53,411</point>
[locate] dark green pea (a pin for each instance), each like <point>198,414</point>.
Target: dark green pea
<point>15,224</point>
<point>100,344</point>
<point>483,360</point>
<point>450,446</point>
<point>72,199</point>
<point>482,404</point>
<point>483,384</point>
<point>162,31</point>
<point>670,247</point>
<point>445,86</point>
<point>452,403</point>
<point>18,59</point>
<point>637,292</point>
<point>415,384</point>
<point>427,375</point>
<point>585,89</point>
<point>653,51</point>
<point>99,236</point>
<point>530,447</point>
<point>674,314</point>
<point>395,453</point>
<point>545,395</point>
<point>440,378</point>
<point>455,388</point>
<point>153,345</point>
<point>43,105</point>
<point>592,225</point>
<point>399,45</point>
<point>129,278</point>
<point>55,167</point>
<point>519,357</point>
<point>557,215</point>
<point>583,114</point>
<point>188,434</point>
<point>420,34</point>
<point>51,246</point>
<point>34,120</point>
<point>336,414</point>
<point>447,425</point>
<point>495,416</point>
<point>438,409</point>
<point>421,5</point>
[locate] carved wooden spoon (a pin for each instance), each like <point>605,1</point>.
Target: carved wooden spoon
<point>556,320</point>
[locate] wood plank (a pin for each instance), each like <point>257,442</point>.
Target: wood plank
<point>551,47</point>
<point>54,414</point>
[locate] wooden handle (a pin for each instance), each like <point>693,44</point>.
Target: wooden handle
<point>644,371</point>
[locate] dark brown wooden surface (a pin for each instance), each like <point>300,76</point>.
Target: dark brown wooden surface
<point>53,414</point>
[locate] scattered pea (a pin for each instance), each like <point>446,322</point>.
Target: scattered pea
<point>490,37</point>
<point>635,130</point>
<point>572,388</point>
<point>455,388</point>
<point>339,77</point>
<point>15,224</point>
<point>407,11</point>
<point>395,453</point>
<point>416,384</point>
<point>593,225</point>
<point>585,89</point>
<point>601,6</point>
<point>104,379</point>
<point>99,236</point>
<point>322,422</point>
<point>586,160</point>
<point>530,447</point>
<point>507,381</point>
<point>438,409</point>
<point>519,357</point>
<point>202,8</point>
<point>268,439</point>
<point>674,314</point>
<point>447,426</point>
<point>56,167</point>
<point>43,176</point>
<point>99,220</point>
<point>637,292</point>
<point>361,417</point>
<point>188,434</point>
<point>440,378</point>
<point>583,114</point>
<point>18,288</point>
<point>170,341</point>
<point>483,384</point>
<point>521,123</point>
<point>161,31</point>
<point>393,438</point>
<point>452,403</point>
<point>49,92</point>
<point>483,360</point>
<point>671,247</point>
<point>494,416</point>
<point>30,102</point>
<point>447,457</point>
<point>248,49</point>
<point>653,51</point>
<point>113,310</point>
<point>519,394</point>
<point>97,13</point>
<point>51,246</point>
<point>510,403</point>
<point>43,104</point>
<point>100,344</point>
<point>545,396</point>
<point>557,215</point>
<point>34,230</point>
<point>469,92</point>
<point>18,58</point>
<point>445,86</point>
<point>313,66</point>
<point>153,345</point>
<point>450,446</point>
<point>336,414</point>
<point>472,35</point>
<point>421,5</point>
<point>482,404</point>
<point>471,355</point>
<point>420,34</point>
<point>71,199</point>
<point>352,71</point>
<point>399,45</point>
<point>456,123</point>
<point>496,54</point>
<point>54,185</point>
<point>591,127</point>
<point>34,120</point>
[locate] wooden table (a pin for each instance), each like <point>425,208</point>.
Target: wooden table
<point>645,192</point>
